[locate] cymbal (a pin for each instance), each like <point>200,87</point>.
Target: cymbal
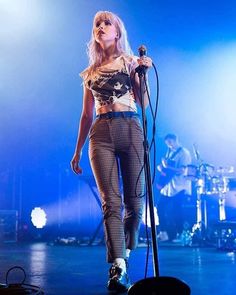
<point>207,166</point>
<point>206,169</point>
<point>225,170</point>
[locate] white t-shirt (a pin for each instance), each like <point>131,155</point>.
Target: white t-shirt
<point>179,182</point>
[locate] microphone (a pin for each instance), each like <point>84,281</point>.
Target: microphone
<point>142,51</point>
<point>141,70</point>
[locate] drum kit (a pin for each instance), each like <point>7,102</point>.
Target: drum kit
<point>209,182</point>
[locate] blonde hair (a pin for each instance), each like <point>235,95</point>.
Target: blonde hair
<point>95,52</point>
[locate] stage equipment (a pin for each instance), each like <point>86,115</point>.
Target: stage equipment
<point>8,225</point>
<point>225,230</point>
<point>211,183</point>
<point>232,184</point>
<point>226,235</point>
<point>155,285</point>
<point>159,286</point>
<point>19,288</point>
<point>92,185</point>
<point>38,217</point>
<point>70,237</point>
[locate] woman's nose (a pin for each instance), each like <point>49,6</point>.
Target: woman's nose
<point>101,26</point>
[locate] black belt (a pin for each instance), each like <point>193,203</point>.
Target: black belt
<point>110,115</point>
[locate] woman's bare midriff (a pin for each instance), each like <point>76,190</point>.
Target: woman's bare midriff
<point>114,108</point>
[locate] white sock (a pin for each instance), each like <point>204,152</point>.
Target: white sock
<point>128,253</point>
<point>121,263</point>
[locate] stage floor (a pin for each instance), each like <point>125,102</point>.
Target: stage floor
<point>82,270</point>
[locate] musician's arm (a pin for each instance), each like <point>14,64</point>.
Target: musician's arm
<point>164,166</point>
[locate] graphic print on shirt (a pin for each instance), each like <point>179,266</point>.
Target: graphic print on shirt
<point>109,87</point>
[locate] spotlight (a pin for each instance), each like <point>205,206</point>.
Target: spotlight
<point>38,217</point>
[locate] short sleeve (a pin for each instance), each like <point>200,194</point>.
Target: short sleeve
<point>130,62</point>
<point>134,63</point>
<point>85,76</point>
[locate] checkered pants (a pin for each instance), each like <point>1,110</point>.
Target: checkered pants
<point>116,156</point>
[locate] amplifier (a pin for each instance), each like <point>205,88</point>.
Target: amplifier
<point>8,225</point>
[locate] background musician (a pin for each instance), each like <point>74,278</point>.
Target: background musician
<point>174,188</point>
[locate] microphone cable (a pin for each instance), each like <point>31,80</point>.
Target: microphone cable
<point>19,288</point>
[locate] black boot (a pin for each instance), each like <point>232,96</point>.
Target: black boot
<point>119,279</point>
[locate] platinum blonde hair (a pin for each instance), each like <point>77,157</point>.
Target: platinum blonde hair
<point>95,52</point>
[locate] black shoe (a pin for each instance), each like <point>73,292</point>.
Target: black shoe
<point>119,279</point>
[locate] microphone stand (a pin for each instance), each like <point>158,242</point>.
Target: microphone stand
<point>141,70</point>
<point>155,285</point>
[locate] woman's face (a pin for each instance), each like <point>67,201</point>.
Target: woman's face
<point>105,31</point>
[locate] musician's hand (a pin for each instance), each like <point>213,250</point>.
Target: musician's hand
<point>164,163</point>
<point>145,61</point>
<point>75,164</point>
<point>159,168</point>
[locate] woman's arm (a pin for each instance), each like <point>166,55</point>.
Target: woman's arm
<point>84,127</point>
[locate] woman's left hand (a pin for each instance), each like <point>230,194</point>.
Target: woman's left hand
<point>145,61</point>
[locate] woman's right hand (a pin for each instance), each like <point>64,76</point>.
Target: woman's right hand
<point>75,164</point>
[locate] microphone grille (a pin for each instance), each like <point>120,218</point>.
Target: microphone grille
<point>142,50</point>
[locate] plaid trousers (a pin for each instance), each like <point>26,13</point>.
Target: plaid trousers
<point>116,155</point>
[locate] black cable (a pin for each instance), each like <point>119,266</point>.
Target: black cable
<point>147,237</point>
<point>19,288</point>
<point>13,268</point>
<point>154,116</point>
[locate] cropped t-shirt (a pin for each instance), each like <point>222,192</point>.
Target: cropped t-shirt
<point>111,83</point>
